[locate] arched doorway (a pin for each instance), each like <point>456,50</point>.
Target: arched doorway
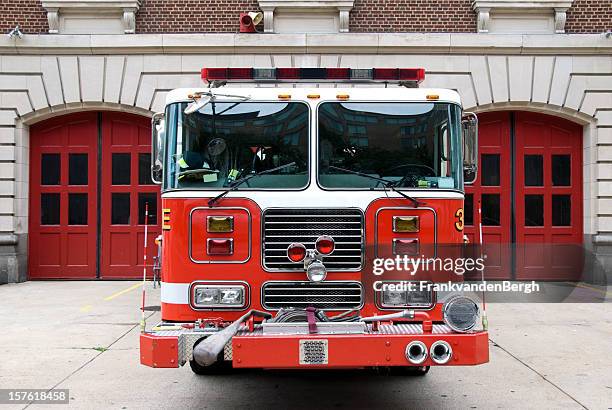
<point>89,183</point>
<point>530,191</point>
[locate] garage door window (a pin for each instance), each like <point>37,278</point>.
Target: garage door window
<point>561,170</point>
<point>534,170</point>
<point>77,169</point>
<point>50,169</point>
<point>77,209</point>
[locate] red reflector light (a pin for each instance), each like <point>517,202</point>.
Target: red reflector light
<point>220,246</point>
<point>412,74</point>
<point>287,73</point>
<point>209,74</point>
<point>338,73</point>
<point>239,73</point>
<point>296,252</point>
<point>325,244</point>
<point>386,74</point>
<point>405,246</point>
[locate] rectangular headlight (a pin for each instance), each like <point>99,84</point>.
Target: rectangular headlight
<point>209,296</point>
<point>401,298</point>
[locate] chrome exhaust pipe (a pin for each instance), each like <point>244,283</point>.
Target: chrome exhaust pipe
<point>416,352</point>
<point>440,352</point>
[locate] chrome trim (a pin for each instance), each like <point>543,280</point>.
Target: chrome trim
<point>327,264</point>
<point>247,298</point>
<point>289,282</point>
<point>446,357</point>
<point>422,357</point>
<point>406,208</point>
<point>212,261</point>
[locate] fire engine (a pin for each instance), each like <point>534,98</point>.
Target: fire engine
<point>278,195</point>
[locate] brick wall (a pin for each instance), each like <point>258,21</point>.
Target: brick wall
<point>29,14</point>
<point>412,16</point>
<point>589,16</point>
<point>181,16</point>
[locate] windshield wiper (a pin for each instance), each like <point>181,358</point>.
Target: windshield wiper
<point>241,181</point>
<point>203,98</point>
<point>385,183</point>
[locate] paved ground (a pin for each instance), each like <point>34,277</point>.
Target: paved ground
<point>84,336</point>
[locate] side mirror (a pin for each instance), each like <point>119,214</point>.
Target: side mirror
<point>469,130</point>
<point>158,131</point>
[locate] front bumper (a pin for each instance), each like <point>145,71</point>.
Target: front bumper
<point>385,346</point>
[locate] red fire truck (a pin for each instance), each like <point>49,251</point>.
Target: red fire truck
<point>278,197</point>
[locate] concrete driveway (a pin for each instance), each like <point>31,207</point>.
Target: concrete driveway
<point>83,336</point>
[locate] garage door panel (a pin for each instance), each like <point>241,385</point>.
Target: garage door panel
<point>548,201</point>
<point>120,248</point>
<point>533,253</point>
<point>492,192</point>
<point>546,169</point>
<point>562,137</point>
<point>65,203</point>
<point>121,133</point>
<point>144,137</point>
<point>566,255</point>
<point>125,191</point>
<point>48,255</point>
<point>77,249</point>
<point>80,135</point>
<point>62,224</point>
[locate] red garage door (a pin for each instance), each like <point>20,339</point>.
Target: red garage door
<point>89,181</point>
<point>126,189</point>
<point>530,191</point>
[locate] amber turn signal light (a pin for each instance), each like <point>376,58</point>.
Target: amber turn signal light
<point>220,224</point>
<point>405,224</point>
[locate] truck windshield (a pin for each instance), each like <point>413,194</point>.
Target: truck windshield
<point>410,144</point>
<point>227,141</point>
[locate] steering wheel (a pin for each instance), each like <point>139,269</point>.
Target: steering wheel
<point>412,173</point>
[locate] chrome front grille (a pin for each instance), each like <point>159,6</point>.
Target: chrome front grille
<point>281,227</point>
<point>324,295</point>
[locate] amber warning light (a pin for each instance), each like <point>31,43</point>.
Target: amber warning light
<point>411,76</point>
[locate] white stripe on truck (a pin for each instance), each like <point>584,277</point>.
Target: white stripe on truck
<point>177,293</point>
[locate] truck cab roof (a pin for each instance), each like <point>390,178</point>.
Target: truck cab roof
<point>326,92</point>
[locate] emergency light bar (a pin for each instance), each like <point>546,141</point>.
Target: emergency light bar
<point>411,75</point>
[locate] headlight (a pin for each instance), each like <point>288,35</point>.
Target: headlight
<point>460,313</point>
<point>395,295</point>
<point>206,296</point>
